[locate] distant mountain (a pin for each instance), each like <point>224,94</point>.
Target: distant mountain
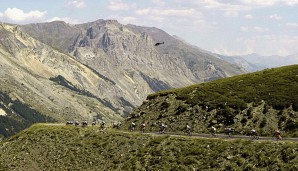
<point>263,100</point>
<point>235,60</point>
<point>255,62</point>
<point>271,61</point>
<point>250,66</point>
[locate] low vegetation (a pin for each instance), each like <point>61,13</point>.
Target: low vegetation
<point>48,147</point>
<point>263,100</point>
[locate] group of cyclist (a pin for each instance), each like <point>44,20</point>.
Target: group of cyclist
<point>187,130</point>
<point>213,131</point>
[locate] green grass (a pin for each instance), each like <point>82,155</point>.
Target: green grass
<point>263,100</point>
<point>278,87</point>
<point>76,148</point>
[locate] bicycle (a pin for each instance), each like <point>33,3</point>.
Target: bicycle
<point>187,132</point>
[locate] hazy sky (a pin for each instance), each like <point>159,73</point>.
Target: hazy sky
<point>230,27</point>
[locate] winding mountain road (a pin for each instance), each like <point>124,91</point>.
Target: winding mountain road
<point>197,135</point>
<point>223,136</point>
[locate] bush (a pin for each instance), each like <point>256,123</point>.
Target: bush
<point>263,123</point>
<point>164,105</point>
<point>243,120</point>
<point>180,109</point>
<point>291,125</point>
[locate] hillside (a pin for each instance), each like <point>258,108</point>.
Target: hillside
<point>45,147</point>
<point>41,84</point>
<point>263,100</point>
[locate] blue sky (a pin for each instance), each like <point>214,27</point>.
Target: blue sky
<point>229,27</point>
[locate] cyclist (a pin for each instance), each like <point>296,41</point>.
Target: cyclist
<point>187,130</point>
<point>143,126</point>
<point>253,134</point>
<point>213,131</point>
<point>132,126</point>
<point>277,135</point>
<point>162,128</point>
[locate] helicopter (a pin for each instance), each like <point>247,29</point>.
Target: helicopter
<point>159,43</point>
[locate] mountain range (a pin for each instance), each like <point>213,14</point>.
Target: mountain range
<point>101,70</point>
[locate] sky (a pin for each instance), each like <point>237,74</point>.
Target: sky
<point>227,27</point>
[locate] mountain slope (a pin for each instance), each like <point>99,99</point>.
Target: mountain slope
<point>262,100</point>
<point>72,148</point>
<point>29,72</point>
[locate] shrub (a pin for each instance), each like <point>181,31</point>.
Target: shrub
<point>263,123</point>
<point>164,105</point>
<point>180,109</point>
<point>243,120</point>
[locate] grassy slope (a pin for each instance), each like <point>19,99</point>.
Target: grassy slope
<point>263,100</point>
<point>74,148</point>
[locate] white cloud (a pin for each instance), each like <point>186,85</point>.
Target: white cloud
<point>76,4</point>
<point>19,16</point>
<point>277,44</point>
<point>144,11</point>
<point>244,29</point>
<point>166,12</point>
<point>267,45</point>
<point>292,25</point>
<point>231,13</point>
<point>248,16</point>
<point>239,5</point>
<point>171,17</point>
<point>158,2</point>
<point>260,29</point>
<point>128,20</point>
<point>65,19</point>
<point>291,2</point>
<point>261,3</point>
<point>275,17</point>
<point>118,5</point>
<point>231,52</point>
<point>176,12</point>
<point>254,29</point>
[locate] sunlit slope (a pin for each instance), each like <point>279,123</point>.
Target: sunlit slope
<point>75,148</point>
<point>264,100</point>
